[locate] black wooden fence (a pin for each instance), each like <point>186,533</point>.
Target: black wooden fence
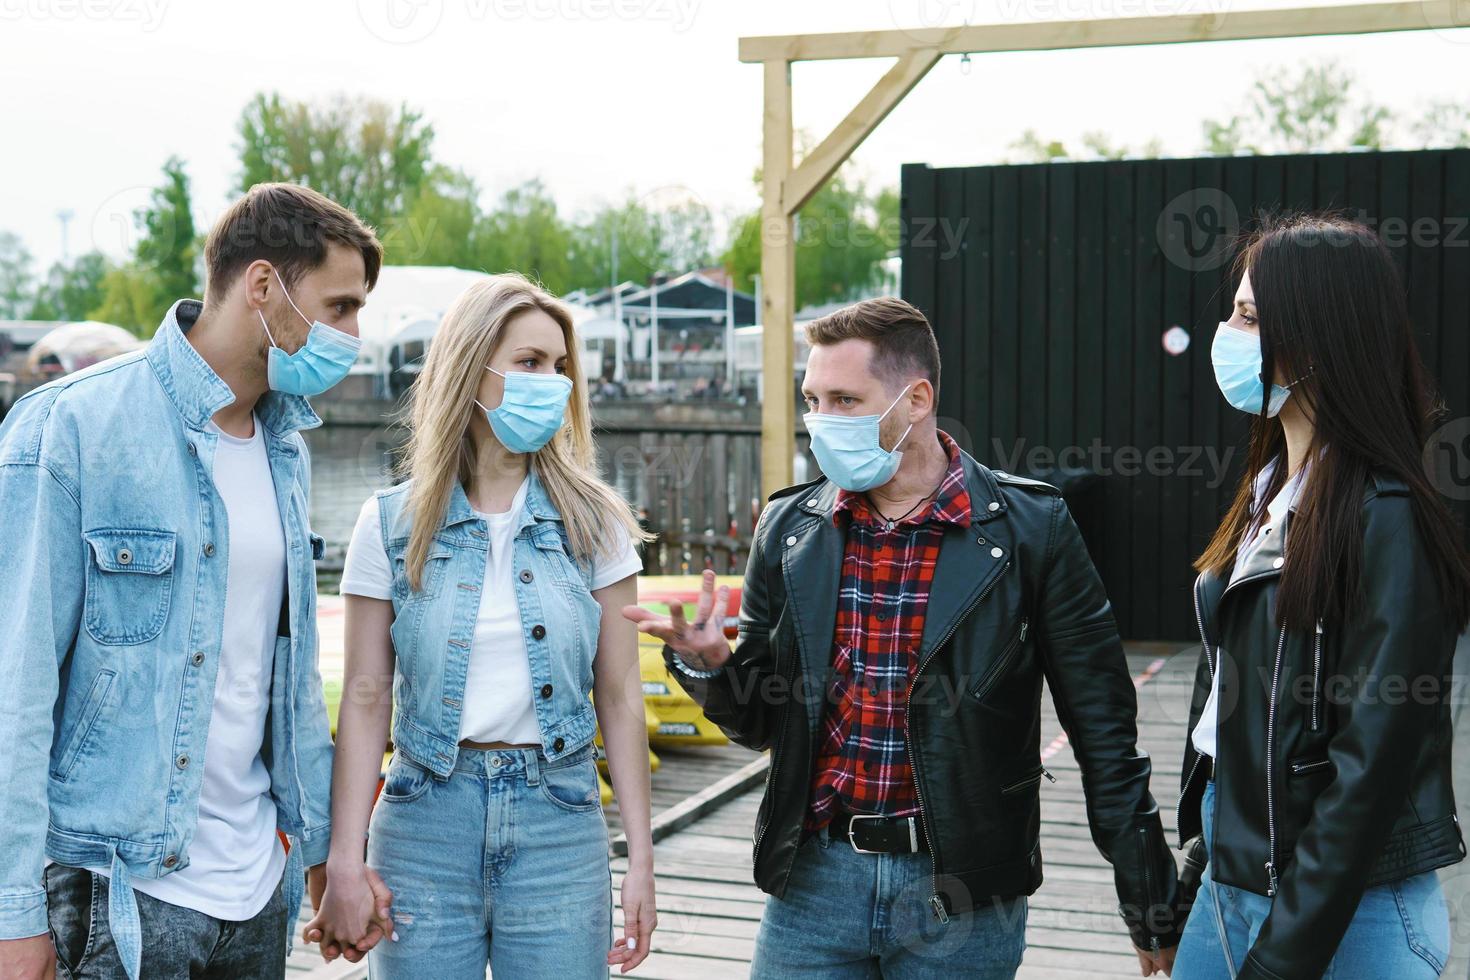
<point>1052,288</point>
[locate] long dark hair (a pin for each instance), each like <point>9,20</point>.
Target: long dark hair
<point>1332,311</point>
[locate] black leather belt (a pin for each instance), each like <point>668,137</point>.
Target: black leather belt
<point>874,835</point>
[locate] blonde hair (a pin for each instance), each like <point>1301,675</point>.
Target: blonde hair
<point>441,405</point>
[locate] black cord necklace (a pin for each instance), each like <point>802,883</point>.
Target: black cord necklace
<point>891,521</point>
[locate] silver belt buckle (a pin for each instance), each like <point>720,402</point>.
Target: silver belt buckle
<point>852,822</point>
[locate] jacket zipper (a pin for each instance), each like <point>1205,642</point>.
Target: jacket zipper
<point>936,904</point>
<point>1297,768</point>
<point>1317,679</point>
<point>1271,879</point>
<point>1001,663</point>
<point>1148,887</point>
<point>1033,777</point>
<point>1199,617</point>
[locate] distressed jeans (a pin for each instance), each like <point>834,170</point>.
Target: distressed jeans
<point>178,943</point>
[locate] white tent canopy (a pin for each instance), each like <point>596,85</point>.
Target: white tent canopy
<point>410,301</point>
<point>407,304</point>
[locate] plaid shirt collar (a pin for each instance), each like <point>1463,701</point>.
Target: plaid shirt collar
<point>950,506</point>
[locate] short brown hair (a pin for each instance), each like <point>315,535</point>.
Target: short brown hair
<point>903,341</point>
<point>289,226</point>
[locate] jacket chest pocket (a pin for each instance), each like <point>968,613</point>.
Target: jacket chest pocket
<point>436,567</point>
<point>1003,663</point>
<point>129,579</point>
<point>555,561</point>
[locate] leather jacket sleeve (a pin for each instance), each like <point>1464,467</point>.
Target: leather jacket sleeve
<point>1098,707</point>
<point>744,698</point>
<point>1399,639</point>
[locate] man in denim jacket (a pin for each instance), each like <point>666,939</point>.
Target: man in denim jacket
<point>159,598</point>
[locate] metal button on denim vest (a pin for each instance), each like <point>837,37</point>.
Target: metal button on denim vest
<point>433,627</point>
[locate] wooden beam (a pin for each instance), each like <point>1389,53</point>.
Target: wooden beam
<point>778,286</point>
<point>1225,25</point>
<point>823,161</point>
<point>703,803</point>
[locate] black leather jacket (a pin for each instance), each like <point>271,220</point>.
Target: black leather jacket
<point>1332,769</point>
<point>1015,598</point>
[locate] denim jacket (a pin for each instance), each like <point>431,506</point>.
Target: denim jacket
<point>434,626</point>
<point>113,587</point>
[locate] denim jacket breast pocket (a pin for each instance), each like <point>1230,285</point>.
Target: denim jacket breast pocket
<point>129,584</point>
<point>432,577</point>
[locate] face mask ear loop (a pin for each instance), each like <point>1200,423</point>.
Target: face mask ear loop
<point>902,438</point>
<point>493,371</point>
<point>267,328</point>
<point>895,402</point>
<point>287,293</point>
<point>889,409</point>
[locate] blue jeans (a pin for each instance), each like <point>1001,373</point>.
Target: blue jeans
<point>505,863</point>
<point>177,943</point>
<point>853,916</point>
<point>1400,930</point>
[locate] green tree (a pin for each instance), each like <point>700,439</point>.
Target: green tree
<point>524,233</point>
<point>842,236</point>
<point>169,246</point>
<point>72,290</point>
<point>362,153</point>
<point>130,299</point>
<point>439,225</point>
<point>673,236</point>
<point>1443,123</point>
<point>1313,110</point>
<point>164,265</point>
<point>16,278</point>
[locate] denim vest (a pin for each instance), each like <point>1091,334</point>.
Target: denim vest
<point>113,583</point>
<point>433,627</point>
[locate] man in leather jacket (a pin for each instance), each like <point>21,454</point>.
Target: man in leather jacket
<point>893,666</point>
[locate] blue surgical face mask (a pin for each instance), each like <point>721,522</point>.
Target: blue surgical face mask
<point>1236,355</point>
<point>847,448</point>
<point>321,362</point>
<point>530,411</point>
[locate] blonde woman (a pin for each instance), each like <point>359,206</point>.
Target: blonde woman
<point>480,589</point>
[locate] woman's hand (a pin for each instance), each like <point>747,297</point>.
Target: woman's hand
<point>701,645</point>
<point>639,919</point>
<point>355,913</point>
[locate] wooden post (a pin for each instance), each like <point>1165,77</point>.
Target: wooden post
<point>778,282</point>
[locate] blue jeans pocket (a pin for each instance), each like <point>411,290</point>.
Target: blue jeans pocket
<point>1425,916</point>
<point>71,907</point>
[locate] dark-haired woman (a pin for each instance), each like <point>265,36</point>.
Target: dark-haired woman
<point>1317,763</point>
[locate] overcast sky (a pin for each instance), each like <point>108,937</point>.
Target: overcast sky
<point>596,97</point>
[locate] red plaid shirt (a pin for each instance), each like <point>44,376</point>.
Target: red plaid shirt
<point>862,764</point>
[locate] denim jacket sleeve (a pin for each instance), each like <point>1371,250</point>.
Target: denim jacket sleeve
<point>41,586</point>
<point>314,746</point>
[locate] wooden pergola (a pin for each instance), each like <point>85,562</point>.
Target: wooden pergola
<point>787,185</point>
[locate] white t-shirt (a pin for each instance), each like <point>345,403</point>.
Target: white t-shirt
<point>235,859</point>
<point>1203,735</point>
<point>499,703</point>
